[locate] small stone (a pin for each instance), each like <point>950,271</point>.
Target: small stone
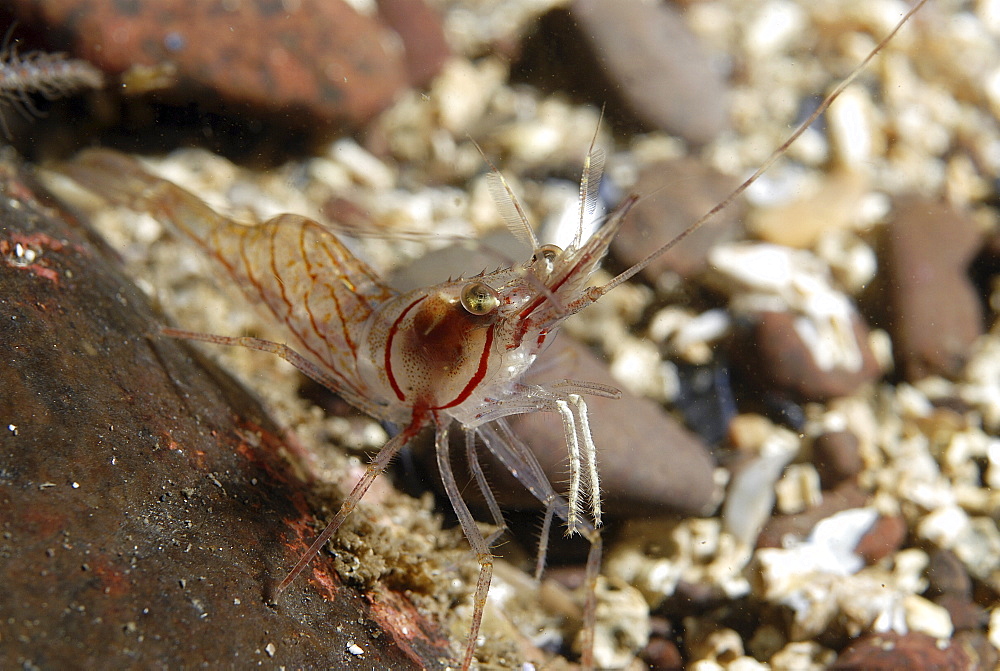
<point>965,614</point>
<point>891,651</point>
<point>837,458</point>
<point>925,297</point>
<point>884,538</point>
<point>800,223</point>
<point>773,349</point>
<point>947,575</point>
<point>676,193</point>
<point>641,53</point>
<point>420,29</point>
<point>782,528</point>
<point>663,655</point>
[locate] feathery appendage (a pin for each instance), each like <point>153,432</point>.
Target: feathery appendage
<point>38,72</point>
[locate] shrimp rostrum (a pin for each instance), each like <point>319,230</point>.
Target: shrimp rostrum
<point>453,353</point>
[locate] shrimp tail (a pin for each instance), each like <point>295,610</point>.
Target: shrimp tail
<point>124,181</point>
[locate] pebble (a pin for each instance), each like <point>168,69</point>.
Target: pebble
<point>780,528</point>
<point>891,651</point>
<point>645,54</point>
<point>947,575</point>
<point>312,60</point>
<point>774,352</point>
<point>675,194</point>
<point>837,458</point>
<point>884,539</point>
<point>925,297</point>
<point>834,204</point>
<point>420,29</point>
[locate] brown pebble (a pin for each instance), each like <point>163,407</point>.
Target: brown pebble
<point>981,653</point>
<point>965,613</point>
<point>676,193</point>
<point>891,652</point>
<point>316,60</point>
<point>837,458</point>
<point>884,538</point>
<point>799,525</point>
<point>663,655</point>
<point>772,351</point>
<point>947,574</point>
<point>660,68</point>
<point>925,297</point>
<point>420,29</point>
<point>639,58</point>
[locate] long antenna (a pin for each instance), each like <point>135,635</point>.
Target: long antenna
<point>596,292</point>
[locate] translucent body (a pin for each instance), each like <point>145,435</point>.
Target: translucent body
<point>453,352</point>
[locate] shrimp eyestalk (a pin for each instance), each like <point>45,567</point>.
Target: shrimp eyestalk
<point>447,355</point>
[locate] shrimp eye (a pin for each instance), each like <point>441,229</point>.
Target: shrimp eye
<point>480,299</point>
<point>546,255</point>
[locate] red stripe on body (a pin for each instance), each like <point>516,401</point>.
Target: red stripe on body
<point>388,349</point>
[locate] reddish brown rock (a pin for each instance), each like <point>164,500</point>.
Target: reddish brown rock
<point>662,653</point>
<point>884,538</point>
<point>913,651</point>
<point>931,307</point>
<point>309,60</point>
<point>797,527</point>
<point>837,458</point>
<point>147,512</point>
<point>420,29</point>
<point>774,353</point>
<point>675,194</point>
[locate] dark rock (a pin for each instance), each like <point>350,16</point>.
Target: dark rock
<point>321,61</point>
<point>662,654</point>
<point>773,352</point>
<point>837,458</point>
<point>913,651</point>
<point>946,574</point>
<point>148,513</point>
<point>675,194</point>
<point>930,305</point>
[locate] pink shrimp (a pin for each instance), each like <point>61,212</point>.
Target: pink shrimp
<point>451,353</point>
